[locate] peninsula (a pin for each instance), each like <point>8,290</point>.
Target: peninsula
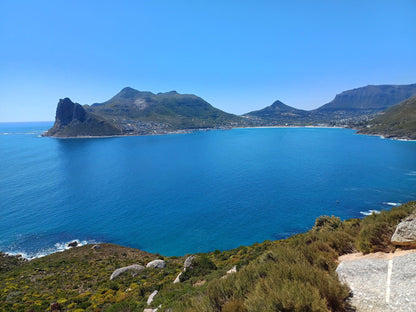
<point>133,112</point>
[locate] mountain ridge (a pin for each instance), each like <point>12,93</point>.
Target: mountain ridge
<point>398,121</point>
<point>133,112</point>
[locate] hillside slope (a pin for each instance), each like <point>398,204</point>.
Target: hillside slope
<point>364,102</point>
<point>171,109</point>
<point>398,121</point>
<point>279,114</point>
<point>296,274</point>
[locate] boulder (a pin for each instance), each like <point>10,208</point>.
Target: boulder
<point>73,244</point>
<point>188,262</point>
<point>232,270</point>
<point>96,247</point>
<point>157,264</point>
<point>405,234</point>
<point>178,278</point>
<point>134,268</point>
<point>152,295</point>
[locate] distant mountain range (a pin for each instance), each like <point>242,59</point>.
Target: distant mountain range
<point>348,107</point>
<point>133,112</point>
<point>398,121</point>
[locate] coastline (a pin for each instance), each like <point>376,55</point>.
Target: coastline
<point>187,131</point>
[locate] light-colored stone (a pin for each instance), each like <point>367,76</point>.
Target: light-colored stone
<point>96,247</point>
<point>188,262</point>
<point>232,270</point>
<point>405,234</point>
<point>151,297</point>
<point>157,264</point>
<point>152,310</point>
<point>177,279</point>
<point>384,284</point>
<point>134,268</point>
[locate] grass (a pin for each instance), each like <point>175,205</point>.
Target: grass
<point>296,274</point>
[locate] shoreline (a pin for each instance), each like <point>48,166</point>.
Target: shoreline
<point>186,131</point>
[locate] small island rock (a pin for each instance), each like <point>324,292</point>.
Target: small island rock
<point>73,244</point>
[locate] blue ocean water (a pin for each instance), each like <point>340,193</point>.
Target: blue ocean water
<point>197,192</point>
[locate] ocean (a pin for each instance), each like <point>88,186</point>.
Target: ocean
<point>186,193</point>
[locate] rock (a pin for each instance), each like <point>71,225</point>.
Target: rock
<point>152,310</point>
<point>232,270</point>
<point>73,120</point>
<point>405,234</point>
<point>188,262</point>
<point>157,264</point>
<point>73,244</point>
<point>134,268</point>
<point>382,285</point>
<point>178,278</point>
<point>96,247</point>
<point>152,295</point>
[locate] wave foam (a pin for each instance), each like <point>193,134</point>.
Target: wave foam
<point>58,247</point>
<point>392,204</point>
<point>369,212</point>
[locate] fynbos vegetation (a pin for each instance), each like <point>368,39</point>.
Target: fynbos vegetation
<point>296,274</point>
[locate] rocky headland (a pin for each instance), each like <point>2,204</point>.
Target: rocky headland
<point>133,112</point>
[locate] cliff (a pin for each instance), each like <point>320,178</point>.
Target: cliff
<point>72,120</point>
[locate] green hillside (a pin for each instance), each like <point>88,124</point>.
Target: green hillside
<point>398,121</point>
<point>296,274</point>
<point>279,114</point>
<point>174,110</point>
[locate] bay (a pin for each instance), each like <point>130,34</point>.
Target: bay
<point>187,193</point>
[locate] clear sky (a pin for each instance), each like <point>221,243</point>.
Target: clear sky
<point>237,55</point>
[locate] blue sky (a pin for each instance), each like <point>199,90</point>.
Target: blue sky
<point>237,55</point>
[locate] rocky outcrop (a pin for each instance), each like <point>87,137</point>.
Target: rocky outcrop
<point>72,120</point>
<point>232,270</point>
<point>134,268</point>
<point>381,284</point>
<point>156,264</point>
<point>188,262</point>
<point>178,278</point>
<point>151,297</point>
<point>73,244</point>
<point>405,234</point>
<point>186,265</point>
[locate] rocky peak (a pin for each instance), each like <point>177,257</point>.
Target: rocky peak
<point>67,111</point>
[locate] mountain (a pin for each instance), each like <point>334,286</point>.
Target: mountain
<point>135,112</point>
<point>278,114</point>
<point>73,120</point>
<point>398,121</point>
<point>347,108</point>
<point>364,102</point>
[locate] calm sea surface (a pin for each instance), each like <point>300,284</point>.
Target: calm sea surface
<point>184,193</point>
